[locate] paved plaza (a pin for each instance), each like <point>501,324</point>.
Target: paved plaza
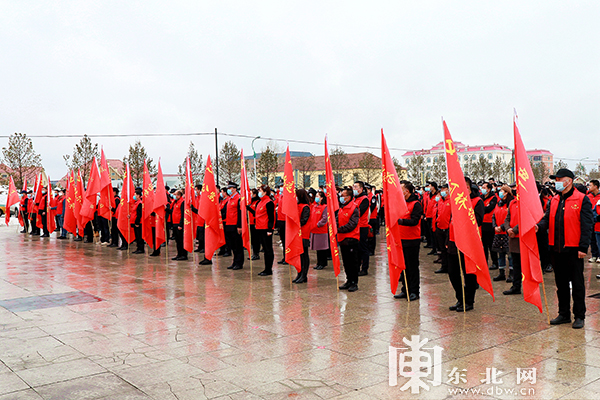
<point>82,321</point>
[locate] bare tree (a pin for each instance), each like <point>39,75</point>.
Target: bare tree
<point>135,159</point>
<point>21,158</point>
<point>415,169</point>
<point>267,165</point>
<point>83,155</point>
<point>339,165</point>
<point>195,164</point>
<point>305,165</point>
<point>370,168</point>
<point>438,170</point>
<point>560,164</point>
<point>229,163</point>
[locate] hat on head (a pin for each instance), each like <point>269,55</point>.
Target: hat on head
<point>563,173</point>
<point>231,184</point>
<point>23,191</point>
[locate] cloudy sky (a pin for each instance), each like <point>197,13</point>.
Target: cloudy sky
<point>299,70</point>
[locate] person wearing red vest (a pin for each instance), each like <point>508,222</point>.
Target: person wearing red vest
<point>569,220</point>
<point>594,196</point>
<point>319,238</point>
<point>304,214</point>
<point>254,238</point>
<point>225,250</point>
<point>137,221</point>
<point>24,205</point>
<point>280,221</point>
<point>429,211</point>
<point>454,265</point>
<point>114,232</point>
<point>487,230</point>
<point>410,231</point>
<point>373,218</point>
<point>348,217</point>
<point>264,222</point>
<point>362,202</point>
<point>42,212</point>
<point>596,235</point>
<point>511,227</point>
<point>501,243</point>
<point>178,210</point>
<point>233,226</point>
<point>442,226</point>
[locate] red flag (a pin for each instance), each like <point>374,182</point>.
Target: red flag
<point>530,213</point>
<point>147,206</point>
<point>244,195</point>
<point>214,236</point>
<point>124,214</point>
<point>160,201</point>
<point>79,201</point>
<point>50,202</point>
<point>88,208</point>
<point>12,198</point>
<point>463,218</point>
<point>37,194</point>
<point>70,222</point>
<point>332,206</point>
<point>107,200</point>
<point>395,208</point>
<point>189,232</point>
<point>293,232</point>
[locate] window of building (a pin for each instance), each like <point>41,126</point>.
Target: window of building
<point>338,179</point>
<point>428,159</point>
<point>466,157</point>
<point>278,181</point>
<point>322,180</point>
<point>355,177</point>
<point>307,181</point>
<point>264,180</point>
<point>537,158</point>
<point>490,156</point>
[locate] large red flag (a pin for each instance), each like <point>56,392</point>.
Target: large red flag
<point>124,216</point>
<point>88,208</point>
<point>530,213</point>
<point>244,195</point>
<point>189,231</point>
<point>293,232</point>
<point>160,201</point>
<point>468,239</point>
<point>79,193</point>
<point>12,198</point>
<point>70,222</point>
<point>147,206</point>
<point>37,195</point>
<point>214,236</point>
<point>395,208</point>
<point>50,214</point>
<point>107,200</point>
<point>332,206</point>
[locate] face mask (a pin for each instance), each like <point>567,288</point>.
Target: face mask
<point>221,195</point>
<point>427,189</point>
<point>355,192</point>
<point>135,197</point>
<point>493,189</point>
<point>172,196</point>
<point>43,192</point>
<point>260,194</point>
<point>342,200</point>
<point>560,186</point>
<point>501,194</point>
<point>484,191</point>
<point>29,196</point>
<point>437,198</point>
<point>444,194</point>
<point>318,200</point>
<point>324,190</point>
<point>228,192</point>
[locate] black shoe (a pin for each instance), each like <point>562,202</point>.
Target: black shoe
<point>320,267</point>
<point>228,254</point>
<point>549,268</point>
<point>352,288</point>
<point>302,279</point>
<point>111,245</point>
<point>413,297</point>
<point>401,295</point>
<point>179,258</point>
<point>255,257</point>
<point>299,276</point>
<point>468,307</point>
<point>427,246</point>
<point>45,235</point>
<point>122,248</point>
<point>197,251</point>
<point>345,286</point>
<point>236,267</point>
<point>578,323</point>
<point>500,277</point>
<point>560,320</point>
<point>281,262</point>
<point>510,279</point>
<point>432,252</point>
<point>206,261</point>
<point>77,239</point>
<point>363,272</point>
<point>455,307</point>
<point>441,271</point>
<point>155,254</point>
<point>231,266</point>
<point>512,290</point>
<point>62,237</point>
<point>265,273</point>
<point>438,261</point>
<point>371,254</point>
<point>284,263</point>
<point>138,252</point>
<point>23,231</point>
<point>88,241</point>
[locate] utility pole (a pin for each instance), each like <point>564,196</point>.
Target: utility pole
<point>217,155</point>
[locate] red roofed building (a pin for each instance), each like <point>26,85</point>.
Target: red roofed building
<point>115,167</point>
<point>489,151</point>
<point>542,156</point>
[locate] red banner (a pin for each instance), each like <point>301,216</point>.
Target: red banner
<point>12,198</point>
<point>88,207</point>
<point>395,208</point>
<point>160,201</point>
<point>50,214</point>
<point>244,196</point>
<point>293,232</point>
<point>124,215</point>
<point>332,206</point>
<point>78,202</point>
<point>147,206</point>
<point>107,199</point>
<point>530,213</point>
<point>189,231</point>
<point>70,222</point>
<point>468,239</point>
<point>214,236</point>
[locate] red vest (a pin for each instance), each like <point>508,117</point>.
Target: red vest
<point>597,224</point>
<point>410,232</point>
<point>280,214</point>
<point>487,218</point>
<point>261,217</point>
<point>232,209</point>
<point>444,213</point>
<point>430,210</point>
<point>316,215</point>
<point>572,218</point>
<point>500,213</point>
<point>134,211</point>
<point>344,215</point>
<point>252,217</point>
<point>177,211</point>
<point>363,221</point>
<point>306,228</point>
<point>514,214</point>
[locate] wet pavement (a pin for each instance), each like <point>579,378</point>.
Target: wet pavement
<point>82,321</point>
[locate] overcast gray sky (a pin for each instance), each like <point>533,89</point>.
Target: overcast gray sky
<point>298,70</point>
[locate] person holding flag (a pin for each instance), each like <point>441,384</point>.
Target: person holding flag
<point>348,238</point>
<point>233,226</point>
<point>24,206</point>
<point>43,211</point>
<point>136,224</point>
<point>304,216</point>
<point>264,222</point>
<point>569,221</point>
<point>178,210</point>
<point>114,231</point>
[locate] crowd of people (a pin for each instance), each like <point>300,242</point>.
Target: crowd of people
<point>571,224</point>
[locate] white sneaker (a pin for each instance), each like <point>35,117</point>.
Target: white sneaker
<point>593,259</point>
<point>598,259</point>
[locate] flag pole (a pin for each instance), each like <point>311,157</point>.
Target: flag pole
<point>406,284</point>
<point>166,243</point>
<point>462,280</point>
<point>545,299</point>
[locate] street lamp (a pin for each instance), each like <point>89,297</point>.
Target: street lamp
<point>254,151</point>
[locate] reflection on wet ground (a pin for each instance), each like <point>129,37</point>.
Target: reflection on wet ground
<point>81,321</point>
